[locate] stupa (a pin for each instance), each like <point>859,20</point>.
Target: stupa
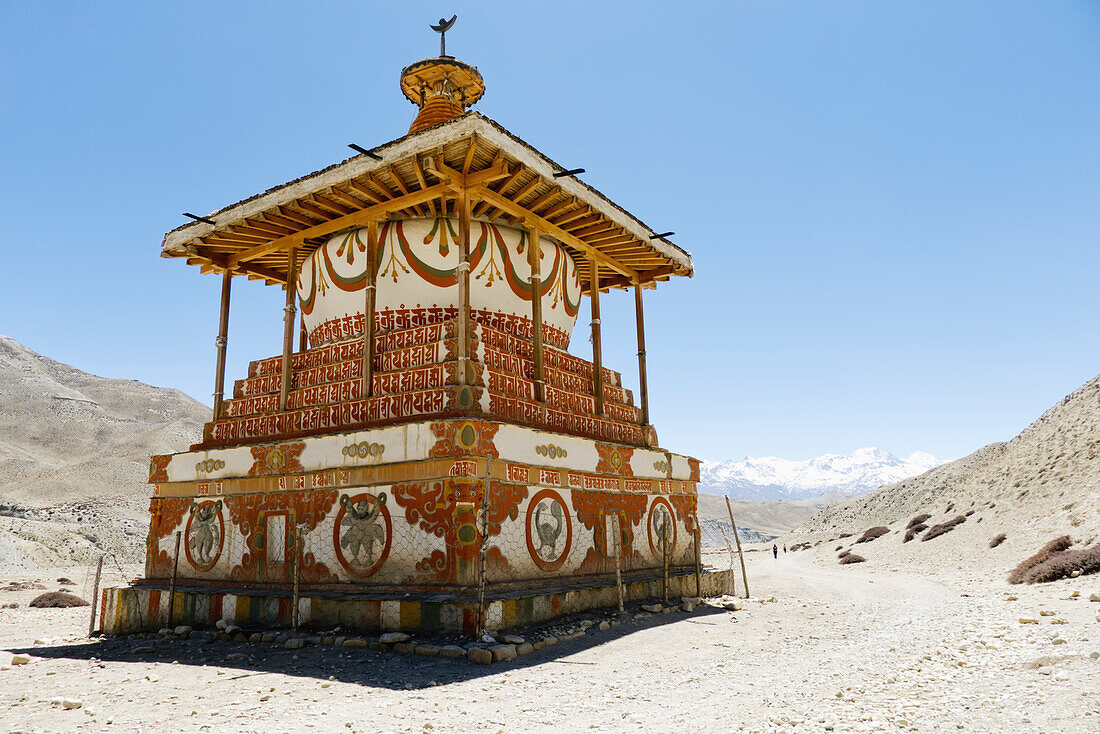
<point>429,456</point>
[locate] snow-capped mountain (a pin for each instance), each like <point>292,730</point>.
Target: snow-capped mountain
<point>772,478</point>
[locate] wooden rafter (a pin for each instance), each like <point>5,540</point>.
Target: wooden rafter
<point>531,219</point>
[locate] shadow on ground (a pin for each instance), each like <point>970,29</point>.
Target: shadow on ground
<point>362,666</point>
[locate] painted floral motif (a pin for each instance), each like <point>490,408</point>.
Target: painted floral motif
<point>303,510</point>
<point>686,508</point>
<point>275,460</point>
<point>592,509</point>
<point>165,515</point>
<point>460,438</point>
<point>434,508</point>
<point>614,459</point>
<point>158,468</point>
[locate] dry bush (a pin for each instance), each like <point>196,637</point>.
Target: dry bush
<point>996,540</point>
<point>943,528</point>
<point>1063,563</point>
<point>911,533</point>
<point>844,554</point>
<point>839,547</point>
<point>65,581</point>
<point>871,533</point>
<point>918,520</point>
<point>57,599</point>
<point>844,535</point>
<point>851,558</point>
<point>1018,575</point>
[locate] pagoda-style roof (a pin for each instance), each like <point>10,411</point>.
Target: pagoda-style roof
<point>423,174</point>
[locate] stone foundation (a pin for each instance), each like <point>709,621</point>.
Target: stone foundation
<point>144,608</point>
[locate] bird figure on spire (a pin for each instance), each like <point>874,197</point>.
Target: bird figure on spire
<point>441,29</point>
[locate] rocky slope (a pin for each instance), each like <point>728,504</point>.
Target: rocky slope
<point>74,458</point>
<point>1042,484</point>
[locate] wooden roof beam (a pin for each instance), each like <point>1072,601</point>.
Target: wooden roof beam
<point>644,276</point>
<point>354,219</point>
<point>531,219</point>
<point>302,219</point>
<point>423,182</point>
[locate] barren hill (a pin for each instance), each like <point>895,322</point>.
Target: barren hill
<point>74,457</point>
<point>1042,484</point>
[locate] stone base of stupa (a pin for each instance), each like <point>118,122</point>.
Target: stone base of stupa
<point>392,528</point>
<point>144,607</point>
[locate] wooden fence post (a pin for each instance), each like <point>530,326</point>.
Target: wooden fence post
<point>95,595</point>
<point>619,562</point>
<point>698,561</point>
<point>484,523</point>
<point>297,577</point>
<point>736,537</point>
<point>172,583</point>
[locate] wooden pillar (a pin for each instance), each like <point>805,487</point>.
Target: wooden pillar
<point>643,385</point>
<point>533,256</point>
<point>597,348</point>
<point>288,326</point>
<point>462,209</point>
<point>303,337</point>
<point>371,274</point>
<point>221,342</point>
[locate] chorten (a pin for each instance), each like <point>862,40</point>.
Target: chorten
<point>428,455</point>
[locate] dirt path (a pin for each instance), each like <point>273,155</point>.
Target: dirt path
<point>840,649</point>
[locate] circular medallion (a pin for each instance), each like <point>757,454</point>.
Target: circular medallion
<point>205,534</point>
<point>275,461</point>
<point>662,528</point>
<point>549,530</point>
<point>362,532</point>
<point>467,436</point>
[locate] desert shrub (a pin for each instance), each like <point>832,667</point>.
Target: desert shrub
<point>1019,574</point>
<point>949,508</point>
<point>918,520</point>
<point>844,535</point>
<point>1063,563</point>
<point>909,535</point>
<point>851,558</point>
<point>996,540</point>
<point>871,533</point>
<point>57,599</point>
<point>66,581</point>
<point>845,553</point>
<point>978,520</point>
<point>969,513</point>
<point>943,528</point>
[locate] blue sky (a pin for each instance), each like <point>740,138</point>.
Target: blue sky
<point>893,207</point>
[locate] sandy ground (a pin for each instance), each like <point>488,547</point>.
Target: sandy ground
<point>851,648</point>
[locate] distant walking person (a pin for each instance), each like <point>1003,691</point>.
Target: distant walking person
<point>775,551</point>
